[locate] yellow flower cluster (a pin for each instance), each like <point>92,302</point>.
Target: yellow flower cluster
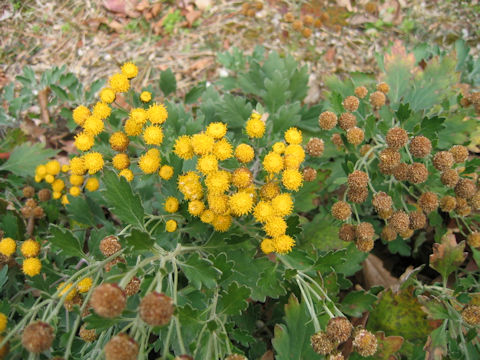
<point>29,249</point>
<point>216,195</point>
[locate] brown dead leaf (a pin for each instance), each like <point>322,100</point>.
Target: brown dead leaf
<point>346,4</point>
<point>268,355</point>
<point>374,273</point>
<point>386,14</point>
<point>122,7</point>
<point>43,103</point>
<point>360,19</point>
<point>399,54</point>
<point>203,4</point>
<point>330,55</point>
<point>142,5</point>
<point>192,15</point>
<point>33,130</point>
<point>200,64</point>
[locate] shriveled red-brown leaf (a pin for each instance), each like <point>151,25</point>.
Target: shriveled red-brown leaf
<point>375,273</point>
<point>192,15</point>
<point>399,53</point>
<point>387,346</point>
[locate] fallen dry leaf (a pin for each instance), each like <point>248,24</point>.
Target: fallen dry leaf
<point>346,4</point>
<point>330,55</point>
<point>203,4</point>
<point>43,103</point>
<point>375,273</point>
<point>268,355</point>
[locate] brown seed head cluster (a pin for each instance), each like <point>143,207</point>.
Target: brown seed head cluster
<point>288,17</point>
<point>321,343</point>
<point>383,87</point>
<point>361,91</point>
<point>406,234</point>
<point>347,121</point>
<point>309,174</point>
<point>327,120</point>
<point>133,286</point>
<point>463,210</point>
<point>382,201</point>
<point>347,232</point>
<point>443,160</point>
<point>400,221</point>
<point>31,203</point>
<point>121,347</point>
<point>357,195</point>
<point>473,239</point>
<point>418,220</point>
<point>377,99</point>
<point>355,135</point>
<point>88,335</point>
<point>428,202</point>
<point>44,195</point>
<point>339,328</point>
<point>70,304</point>
<point>475,201</point>
<point>388,233</point>
<point>38,212</point>
<point>315,147</point>
<point>350,103</point>
<point>417,173</point>
<point>471,314</point>
<point>448,203</point>
<point>465,188</point>
<point>450,178</point>
<point>365,245</point>
<point>358,179</point>
<point>156,309</point>
<point>365,343</point>
<point>420,146</point>
<point>396,138</point>
<point>335,356</point>
<point>364,231</point>
<point>108,300</point>
<point>336,140</point>
<point>341,210</point>
<point>37,337</point>
<point>28,192</point>
<point>459,152</point>
<point>110,245</point>
<point>400,172</point>
<point>390,158</point>
<point>385,214</point>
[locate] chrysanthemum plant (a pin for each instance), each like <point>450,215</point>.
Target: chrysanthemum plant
<point>191,228</point>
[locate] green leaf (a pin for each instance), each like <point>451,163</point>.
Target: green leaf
<point>430,127</point>
<point>355,303</point>
<point>200,272</point>
<point>62,94</point>
<point>194,94</point>
<point>403,112</point>
<point>66,241</point>
<point>292,340</point>
<point>168,83</point>
<point>447,256</point>
<point>272,283</point>
<point>85,211</point>
<point>234,300</point>
<point>100,323</point>
<point>121,199</point>
<point>3,276</point>
<point>276,91</point>
<point>26,157</point>
<point>327,261</point>
<point>140,241</point>
<point>370,127</point>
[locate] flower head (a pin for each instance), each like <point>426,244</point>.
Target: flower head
<point>149,163</point>
<point>80,114</point>
<point>7,246</point>
<point>31,266</point>
<point>93,162</point>
<point>92,184</point>
<point>171,225</point>
<point>216,130</point>
<point>202,144</point>
<point>153,135</point>
<point>223,149</point>
<point>119,141</point>
<point>292,179</point>
<point>293,136</point>
<point>183,147</point>
<point>171,204</point>
<point>241,203</point>
<point>107,95</point>
<point>244,153</point>
<point>93,125</point>
<point>130,70</point>
<point>84,141</point>
<point>283,244</point>
<point>157,113</point>
<point>30,248</point>
<point>101,110</point>
<point>121,161</point>
<point>267,245</point>
<point>255,127</point>
<point>119,83</point>
<point>166,172</point>
<point>273,162</point>
<point>146,96</point>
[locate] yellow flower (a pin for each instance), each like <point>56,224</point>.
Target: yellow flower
<point>242,177</point>
<point>121,161</point>
<point>183,147</point>
<point>75,191</point>
<point>269,190</point>
<point>92,184</point>
<point>282,204</point>
<point>267,246</point>
<point>263,211</point>
<point>139,115</point>
<point>153,152</point>
<point>127,174</point>
<point>279,147</point>
<point>189,185</point>
<point>146,96</point>
<point>77,166</point>
<point>283,244</point>
<point>65,200</point>
<point>7,246</point>
<point>166,172</point>
<point>38,178</point>
<point>216,130</point>
<point>223,149</point>
<point>255,127</point>
<point>84,285</point>
<point>157,113</point>
<point>31,266</point>
<point>149,164</point>
<point>93,125</point>
<point>93,162</point>
<point>119,83</point>
<point>76,180</point>
<point>153,135</point>
<point>53,167</point>
<point>207,216</point>
<point>3,322</point>
<point>56,195</point>
<point>132,128</point>
<point>101,110</point>
<point>244,153</point>
<point>119,141</point>
<point>49,178</point>
<point>293,136</point>
<point>273,163</point>
<point>207,164</point>
<point>218,203</point>
<point>65,168</point>
<point>130,70</point>
<point>222,223</point>
<point>275,226</point>
<point>202,144</point>
<point>196,207</point>
<point>171,204</point>
<point>66,288</point>
<point>107,95</point>
<point>84,141</point>
<point>292,162</point>
<point>296,151</point>
<point>58,185</point>
<point>30,248</point>
<point>80,114</point>
<point>171,226</point>
<point>292,179</point>
<point>241,203</point>
<point>218,182</point>
<point>41,170</point>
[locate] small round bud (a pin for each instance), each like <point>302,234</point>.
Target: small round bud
<point>347,121</point>
<point>355,135</point>
<point>327,120</point>
<point>108,300</point>
<point>475,201</point>
<point>315,147</point>
<point>27,212</point>
<point>341,210</point>
<point>358,179</point>
<point>364,231</point>
<point>308,20</point>
<point>28,191</point>
<point>357,195</point>
<point>31,203</point>
<point>321,343</point>
<point>306,32</point>
<point>400,221</point>
<point>297,25</point>
<point>336,140</point>
<point>361,91</point>
<point>364,245</point>
<point>383,87</point>
<point>418,220</point>
<point>309,174</point>
<point>448,203</point>
<point>377,99</point>
<point>471,314</point>
<point>388,233</point>
<point>347,232</point>
<point>288,17</point>
<point>443,160</point>
<point>464,211</point>
<point>44,195</point>
<point>38,212</point>
<point>133,286</point>
<point>420,146</point>
<point>385,214</point>
<point>428,202</point>
<point>365,343</point>
<point>450,178</point>
<point>406,234</point>
<point>459,152</point>
<point>382,201</point>
<point>465,188</point>
<point>88,335</point>
<point>385,169</point>
<point>37,337</point>
<point>156,309</point>
<point>121,347</point>
<point>396,138</point>
<point>417,173</point>
<point>110,245</point>
<point>473,239</point>
<point>400,172</point>
<point>339,328</point>
<point>390,157</point>
<point>350,103</point>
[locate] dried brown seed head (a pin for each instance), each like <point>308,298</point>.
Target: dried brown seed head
<point>347,232</point>
<point>383,87</point>
<point>327,120</point>
<point>364,231</point>
<point>350,103</point>
<point>308,20</point>
<point>121,347</point>
<point>339,328</point>
<point>321,343</point>
<point>88,335</point>
<point>341,210</point>
<point>355,135</point>
<point>361,91</point>
<point>385,214</point>
<point>473,239</point>
<point>400,172</point>
<point>133,286</point>
<point>459,152</point>
<point>357,195</point>
<point>475,201</point>
<point>70,304</point>
<point>156,309</point>
<point>388,233</point>
<point>44,195</point>
<point>448,203</point>
<point>26,211</point>
<point>358,179</point>
<point>382,201</point>
<point>336,139</point>
<point>420,146</point>
<point>396,138</point>
<point>471,314</point>
<point>443,160</point>
<point>28,191</point>
<point>406,234</point>
<point>110,245</point>
<point>377,99</point>
<point>309,174</point>
<point>400,221</point>
<point>450,178</point>
<point>365,343</point>
<point>417,173</point>
<point>464,211</point>
<point>306,32</point>
<point>364,245</point>
<point>38,212</point>
<point>288,17</point>
<point>108,300</point>
<point>347,121</point>
<point>112,263</point>
<point>315,147</point>
<point>465,188</point>
<point>297,25</point>
<point>428,202</point>
<point>37,337</point>
<point>390,157</point>
<point>418,220</point>
<point>31,203</point>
